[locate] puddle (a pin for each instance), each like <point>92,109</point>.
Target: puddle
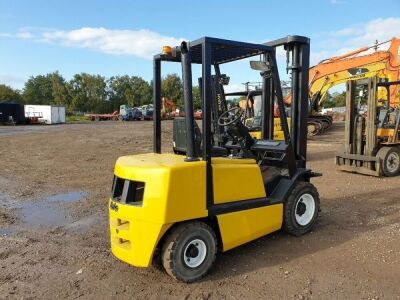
<point>43,214</point>
<point>48,210</point>
<point>7,231</point>
<point>66,197</point>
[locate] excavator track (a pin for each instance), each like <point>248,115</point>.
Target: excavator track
<point>318,124</point>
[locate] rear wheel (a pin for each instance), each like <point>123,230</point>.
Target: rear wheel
<point>301,209</point>
<point>189,251</point>
<point>390,160</point>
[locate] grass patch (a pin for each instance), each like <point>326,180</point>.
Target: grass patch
<point>77,119</point>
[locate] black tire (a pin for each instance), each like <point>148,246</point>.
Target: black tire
<point>390,160</point>
<point>178,245</point>
<point>296,219</point>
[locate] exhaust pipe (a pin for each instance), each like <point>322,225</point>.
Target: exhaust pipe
<point>186,61</point>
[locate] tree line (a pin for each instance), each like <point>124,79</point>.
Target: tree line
<point>95,93</point>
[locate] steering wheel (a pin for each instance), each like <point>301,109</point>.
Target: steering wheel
<point>230,116</point>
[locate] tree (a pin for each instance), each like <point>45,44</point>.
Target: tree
<point>334,100</point>
<point>46,89</point>
<point>88,93</point>
<point>172,88</point>
<point>134,91</point>
<point>8,93</point>
<point>340,100</point>
<point>59,90</point>
<point>196,97</point>
<point>38,90</point>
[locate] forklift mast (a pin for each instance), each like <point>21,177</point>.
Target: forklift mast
<point>298,50</point>
<point>212,52</point>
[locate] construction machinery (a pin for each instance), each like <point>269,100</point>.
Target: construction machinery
<point>168,109</point>
<point>194,204</point>
<point>330,72</point>
<point>371,143</point>
<point>358,64</point>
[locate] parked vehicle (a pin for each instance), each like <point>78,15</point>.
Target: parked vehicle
<point>137,114</point>
<point>103,117</point>
<point>147,111</point>
<point>127,113</point>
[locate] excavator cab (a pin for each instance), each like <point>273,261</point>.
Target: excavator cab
<point>213,195</point>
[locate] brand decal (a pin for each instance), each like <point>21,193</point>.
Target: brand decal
<point>114,206</point>
<point>357,71</point>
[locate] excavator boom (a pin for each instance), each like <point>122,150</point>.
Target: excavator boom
<point>355,66</point>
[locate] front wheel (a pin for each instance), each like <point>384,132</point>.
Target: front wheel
<point>189,251</point>
<point>301,209</point>
<point>390,160</point>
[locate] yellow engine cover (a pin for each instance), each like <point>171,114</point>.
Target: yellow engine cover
<point>243,226</point>
<point>174,192</point>
<point>236,179</point>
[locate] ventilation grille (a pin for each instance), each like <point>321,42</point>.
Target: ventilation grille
<point>127,191</point>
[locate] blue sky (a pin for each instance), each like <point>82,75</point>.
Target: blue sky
<point>120,37</point>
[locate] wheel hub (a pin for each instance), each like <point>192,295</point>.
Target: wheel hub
<point>301,208</point>
<point>192,251</point>
<point>305,209</point>
<point>195,253</point>
<point>392,162</point>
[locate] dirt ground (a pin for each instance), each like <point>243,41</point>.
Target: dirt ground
<point>54,238</point>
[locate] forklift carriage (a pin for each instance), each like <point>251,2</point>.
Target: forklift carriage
<point>221,188</point>
<point>371,142</point>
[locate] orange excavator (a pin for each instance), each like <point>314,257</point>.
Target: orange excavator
<point>168,109</point>
<point>355,65</point>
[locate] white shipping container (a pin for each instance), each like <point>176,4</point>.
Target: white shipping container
<point>48,114</point>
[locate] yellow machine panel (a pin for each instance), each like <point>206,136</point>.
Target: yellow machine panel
<point>228,178</point>
<point>385,132</point>
<point>278,133</point>
<point>243,226</point>
<point>133,240</point>
<point>170,196</point>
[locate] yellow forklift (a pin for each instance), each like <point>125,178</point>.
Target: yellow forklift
<point>212,194</point>
<point>371,143</point>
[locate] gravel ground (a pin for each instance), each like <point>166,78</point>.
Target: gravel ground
<point>54,239</point>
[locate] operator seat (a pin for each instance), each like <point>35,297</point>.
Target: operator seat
<point>252,147</point>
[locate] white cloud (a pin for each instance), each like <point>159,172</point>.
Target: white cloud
<point>24,35</point>
<point>11,80</point>
<point>141,43</point>
<point>378,29</point>
<point>356,36</point>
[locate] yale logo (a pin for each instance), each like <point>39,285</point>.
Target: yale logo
<point>114,206</point>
